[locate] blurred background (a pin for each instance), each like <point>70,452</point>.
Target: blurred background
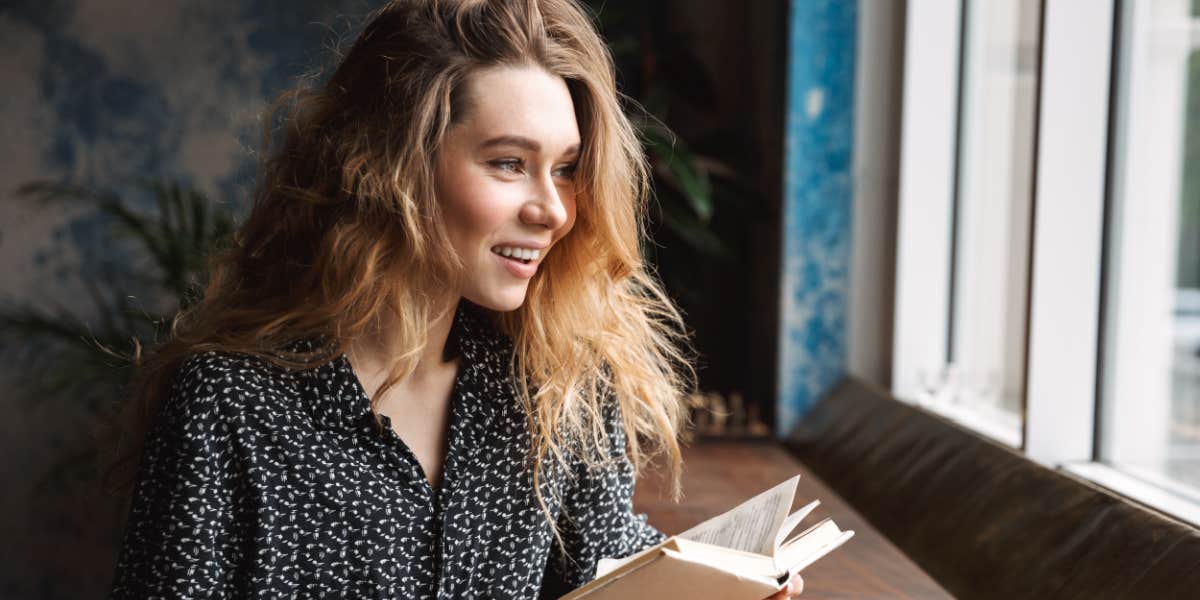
<point>984,207</point>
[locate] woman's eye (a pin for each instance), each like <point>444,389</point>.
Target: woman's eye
<point>508,165</point>
<point>565,171</point>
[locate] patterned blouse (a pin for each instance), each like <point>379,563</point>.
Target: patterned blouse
<point>257,482</point>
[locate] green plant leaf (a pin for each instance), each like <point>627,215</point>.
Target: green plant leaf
<point>675,164</point>
<point>694,233</point>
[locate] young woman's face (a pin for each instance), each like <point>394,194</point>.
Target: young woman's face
<point>505,180</point>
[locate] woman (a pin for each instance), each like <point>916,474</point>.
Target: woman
<point>434,356</point>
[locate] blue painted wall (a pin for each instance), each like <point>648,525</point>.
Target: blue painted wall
<point>818,195</point>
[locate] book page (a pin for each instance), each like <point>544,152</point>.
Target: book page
<point>818,541</point>
<point>745,564</point>
<point>607,565</point>
<point>752,525</point>
<point>790,524</point>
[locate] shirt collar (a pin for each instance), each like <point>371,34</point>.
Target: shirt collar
<point>341,402</point>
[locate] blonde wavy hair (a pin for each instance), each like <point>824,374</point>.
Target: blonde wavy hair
<point>346,228</point>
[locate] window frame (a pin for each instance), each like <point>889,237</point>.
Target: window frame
<point>1075,175</point>
<point>1070,195</point>
<point>928,150</point>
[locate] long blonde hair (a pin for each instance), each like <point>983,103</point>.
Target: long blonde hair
<point>346,228</point>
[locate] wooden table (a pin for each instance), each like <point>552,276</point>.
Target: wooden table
<point>719,475</point>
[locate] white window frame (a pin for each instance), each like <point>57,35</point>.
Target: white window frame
<point>924,246</point>
<point>927,157</point>
<point>1069,197</point>
<point>1071,181</point>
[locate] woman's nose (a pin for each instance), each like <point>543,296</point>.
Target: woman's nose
<point>547,205</point>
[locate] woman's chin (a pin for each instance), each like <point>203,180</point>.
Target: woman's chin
<point>500,301</point>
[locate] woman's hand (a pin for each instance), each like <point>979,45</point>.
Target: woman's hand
<point>793,588</point>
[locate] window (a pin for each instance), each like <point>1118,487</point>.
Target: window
<point>1151,371</point>
<point>967,189</point>
<point>992,204</point>
<point>1048,268</point>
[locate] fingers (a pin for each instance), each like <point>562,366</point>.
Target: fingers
<point>794,586</point>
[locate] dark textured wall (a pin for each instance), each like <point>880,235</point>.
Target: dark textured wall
<point>100,93</point>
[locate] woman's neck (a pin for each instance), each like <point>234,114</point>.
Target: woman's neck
<point>375,352</point>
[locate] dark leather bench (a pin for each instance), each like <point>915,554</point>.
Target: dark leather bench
<point>982,519</point>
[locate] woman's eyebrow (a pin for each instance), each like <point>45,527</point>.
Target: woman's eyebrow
<point>512,140</point>
<point>523,143</point>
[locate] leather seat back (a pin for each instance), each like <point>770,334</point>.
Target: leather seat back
<point>983,520</point>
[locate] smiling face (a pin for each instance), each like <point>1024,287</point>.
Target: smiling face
<point>505,180</point>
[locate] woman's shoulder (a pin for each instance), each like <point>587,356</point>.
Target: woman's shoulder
<point>228,370</point>
<point>224,384</point>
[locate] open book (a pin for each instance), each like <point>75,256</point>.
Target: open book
<point>744,553</point>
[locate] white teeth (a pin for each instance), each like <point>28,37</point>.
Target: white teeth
<point>517,253</point>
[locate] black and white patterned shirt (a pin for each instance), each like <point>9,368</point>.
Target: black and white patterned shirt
<point>257,482</point>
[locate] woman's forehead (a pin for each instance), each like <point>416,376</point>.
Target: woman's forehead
<point>519,104</point>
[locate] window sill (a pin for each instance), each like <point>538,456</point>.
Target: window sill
<point>994,423</point>
<point>1135,485</point>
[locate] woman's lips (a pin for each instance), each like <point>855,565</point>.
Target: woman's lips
<point>516,267</point>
